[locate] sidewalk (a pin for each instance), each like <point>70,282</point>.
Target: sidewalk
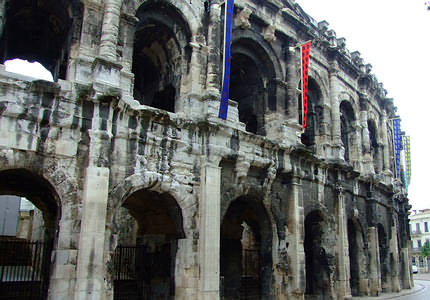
<point>422,276</point>
<point>418,287</point>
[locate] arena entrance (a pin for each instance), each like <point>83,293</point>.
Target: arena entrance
<point>144,261</point>
<point>27,234</point>
<point>246,260</point>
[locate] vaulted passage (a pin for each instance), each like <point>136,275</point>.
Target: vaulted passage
<point>144,260</point>
<point>246,257</point>
<point>357,259</point>
<point>252,84</point>
<point>25,251</point>
<point>41,31</point>
<point>320,264</point>
<point>346,128</point>
<point>383,258</point>
<point>315,114</point>
<point>160,57</point>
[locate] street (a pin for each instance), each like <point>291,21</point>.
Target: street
<point>421,291</point>
<point>422,294</point>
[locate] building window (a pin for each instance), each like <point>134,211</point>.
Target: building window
<point>427,241</point>
<point>419,243</point>
<point>426,227</point>
<point>418,227</point>
<point>413,260</point>
<point>421,262</point>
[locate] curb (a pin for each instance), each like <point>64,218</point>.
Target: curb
<point>417,288</point>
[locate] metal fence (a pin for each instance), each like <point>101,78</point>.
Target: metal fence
<point>24,269</point>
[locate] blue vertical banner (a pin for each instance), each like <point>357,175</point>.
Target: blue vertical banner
<point>397,144</point>
<point>228,26</point>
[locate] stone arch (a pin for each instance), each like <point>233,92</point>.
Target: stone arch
<point>315,115</point>
<point>374,146</point>
<point>254,70</point>
<point>184,8</point>
<point>246,249</point>
<point>161,184</point>
<point>319,256</point>
<point>357,258</point>
<point>48,189</point>
<point>149,215</point>
<point>161,54</point>
<point>42,31</point>
<point>347,119</point>
<point>384,261</point>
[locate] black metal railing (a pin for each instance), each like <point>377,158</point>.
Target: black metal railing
<point>24,269</point>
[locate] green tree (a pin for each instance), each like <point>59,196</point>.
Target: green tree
<point>425,253</point>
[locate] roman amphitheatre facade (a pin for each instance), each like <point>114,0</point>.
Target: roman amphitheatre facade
<point>146,194</point>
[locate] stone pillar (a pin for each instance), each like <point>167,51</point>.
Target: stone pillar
<point>335,111</point>
<point>210,209</point>
<point>293,79</point>
<point>342,285</point>
<point>213,77</point>
<point>296,250</point>
<point>385,142</point>
<point>356,146</point>
<point>368,167</point>
<point>407,279</point>
<point>90,265</point>
<point>110,29</point>
<point>374,275</point>
<point>394,260</point>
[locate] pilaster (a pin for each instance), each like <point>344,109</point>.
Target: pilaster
<point>210,206</point>
<point>296,249</point>
<point>343,287</point>
<point>335,111</point>
<point>374,270</point>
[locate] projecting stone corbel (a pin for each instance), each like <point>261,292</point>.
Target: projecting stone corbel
<point>242,18</point>
<point>269,33</point>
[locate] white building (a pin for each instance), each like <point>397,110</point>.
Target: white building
<point>420,234</point>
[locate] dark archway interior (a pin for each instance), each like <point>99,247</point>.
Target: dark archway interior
<point>252,84</point>
<point>160,50</point>
<point>355,243</point>
<point>26,261</point>
<point>346,129</point>
<point>26,184</point>
<point>373,137</point>
<point>318,262</point>
<point>144,261</point>
<point>41,31</point>
<point>314,117</point>
<point>383,256</point>
<point>246,258</point>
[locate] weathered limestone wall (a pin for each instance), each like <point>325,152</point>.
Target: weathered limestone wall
<point>108,168</point>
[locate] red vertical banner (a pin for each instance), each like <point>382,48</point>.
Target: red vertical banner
<point>305,50</point>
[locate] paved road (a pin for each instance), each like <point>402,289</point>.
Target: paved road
<point>421,291</point>
<point>422,294</point>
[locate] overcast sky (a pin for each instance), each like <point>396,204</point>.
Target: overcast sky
<point>393,36</point>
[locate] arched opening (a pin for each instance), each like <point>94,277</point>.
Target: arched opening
<point>29,214</point>
<point>383,257</point>
<point>41,31</point>
<point>346,128</point>
<point>149,225</point>
<point>315,113</point>
<point>246,255</point>
<point>357,259</point>
<point>161,54</point>
<point>373,138</point>
<point>320,265</point>
<point>252,85</point>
